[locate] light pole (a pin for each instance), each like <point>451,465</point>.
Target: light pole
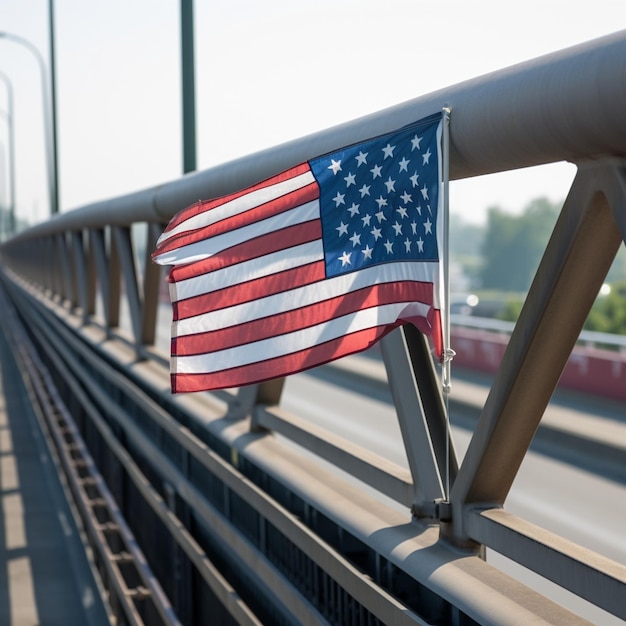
<point>47,89</point>
<point>188,86</point>
<point>9,115</point>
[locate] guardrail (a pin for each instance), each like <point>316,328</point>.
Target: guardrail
<point>596,365</point>
<point>242,525</point>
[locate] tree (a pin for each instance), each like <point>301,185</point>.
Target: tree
<point>514,244</point>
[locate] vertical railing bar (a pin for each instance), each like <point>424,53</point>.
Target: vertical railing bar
<point>129,273</point>
<point>80,271</point>
<point>54,260</point>
<point>102,270</point>
<point>66,279</point>
<point>115,281</point>
<point>92,277</point>
<point>151,283</point>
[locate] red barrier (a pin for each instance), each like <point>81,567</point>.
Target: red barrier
<point>589,370</point>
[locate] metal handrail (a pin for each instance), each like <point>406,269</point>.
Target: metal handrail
<point>504,120</point>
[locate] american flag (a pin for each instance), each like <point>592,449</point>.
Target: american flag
<point>308,266</point>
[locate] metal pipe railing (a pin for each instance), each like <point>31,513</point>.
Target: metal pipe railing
<point>565,106</point>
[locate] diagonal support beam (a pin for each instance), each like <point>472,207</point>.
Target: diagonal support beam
<point>421,416</point>
<point>575,264</point>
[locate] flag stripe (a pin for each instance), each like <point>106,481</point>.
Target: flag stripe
<point>259,286</point>
<point>303,317</point>
<point>202,215</point>
<point>301,339</point>
<point>262,212</point>
<point>286,364</point>
<point>206,248</point>
<point>245,258</point>
<point>301,296</point>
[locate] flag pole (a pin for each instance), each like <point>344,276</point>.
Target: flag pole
<point>448,353</point>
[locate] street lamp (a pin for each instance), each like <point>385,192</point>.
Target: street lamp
<point>9,116</point>
<point>47,89</point>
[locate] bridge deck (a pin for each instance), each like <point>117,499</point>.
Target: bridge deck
<point>44,574</point>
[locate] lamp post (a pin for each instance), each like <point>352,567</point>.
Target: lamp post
<point>9,115</point>
<point>47,89</point>
<point>188,86</point>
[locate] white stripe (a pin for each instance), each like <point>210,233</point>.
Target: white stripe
<point>303,296</point>
<point>297,340</point>
<point>212,245</point>
<point>240,205</point>
<point>276,262</point>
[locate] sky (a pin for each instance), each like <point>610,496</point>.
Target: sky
<point>266,72</point>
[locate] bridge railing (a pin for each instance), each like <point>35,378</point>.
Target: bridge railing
<point>258,525</point>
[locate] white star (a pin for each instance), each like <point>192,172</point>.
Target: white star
<point>424,191</point>
<point>389,246</point>
<point>388,150</point>
<point>380,216</point>
<point>345,259</point>
<point>414,178</point>
<point>414,227</point>
<point>420,245</point>
<point>404,164</point>
<point>361,158</point>
<point>367,252</point>
<point>376,171</point>
<point>406,197</point>
<point>419,209</point>
<point>365,190</point>
<point>381,202</point>
<point>415,143</point>
<point>335,166</point>
<point>366,219</point>
<point>407,244</point>
<point>398,228</point>
<point>377,233</point>
<point>342,229</point>
<point>339,199</point>
<point>426,157</point>
<point>390,184</point>
<point>428,226</point>
<point>354,209</point>
<point>350,180</point>
<point>355,239</point>
<point>402,211</point>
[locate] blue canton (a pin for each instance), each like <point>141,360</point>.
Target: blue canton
<point>379,199</point>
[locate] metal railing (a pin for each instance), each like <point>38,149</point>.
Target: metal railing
<point>237,521</point>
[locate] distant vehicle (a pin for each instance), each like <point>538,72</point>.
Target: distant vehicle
<point>463,304</point>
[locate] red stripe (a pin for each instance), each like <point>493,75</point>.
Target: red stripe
<point>280,366</point>
<point>207,205</point>
<point>249,291</point>
<point>305,317</point>
<point>250,216</point>
<point>251,249</point>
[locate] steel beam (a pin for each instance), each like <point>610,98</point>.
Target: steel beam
<point>565,106</point>
<point>576,261</point>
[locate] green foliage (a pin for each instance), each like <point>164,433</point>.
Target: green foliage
<point>511,309</point>
<point>513,245</point>
<point>501,258</point>
<point>608,314</point>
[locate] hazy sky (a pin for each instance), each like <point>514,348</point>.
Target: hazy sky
<point>267,72</point>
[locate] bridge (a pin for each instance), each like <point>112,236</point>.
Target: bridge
<point>339,495</point>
